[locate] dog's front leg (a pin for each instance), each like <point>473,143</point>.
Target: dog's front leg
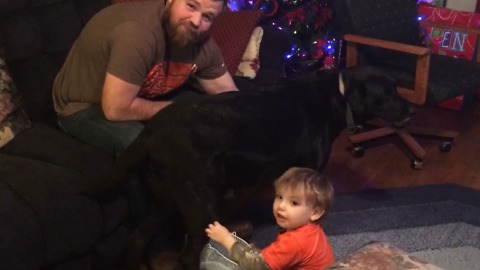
<point>138,241</point>
<point>158,227</point>
<point>198,209</point>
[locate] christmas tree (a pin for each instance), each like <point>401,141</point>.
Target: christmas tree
<point>310,24</point>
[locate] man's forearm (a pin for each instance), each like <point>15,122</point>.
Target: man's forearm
<point>139,110</point>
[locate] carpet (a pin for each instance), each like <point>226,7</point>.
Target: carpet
<point>439,223</point>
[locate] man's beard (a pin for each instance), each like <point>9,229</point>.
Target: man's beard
<point>183,37</point>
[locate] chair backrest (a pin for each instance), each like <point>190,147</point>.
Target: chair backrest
<point>392,20</point>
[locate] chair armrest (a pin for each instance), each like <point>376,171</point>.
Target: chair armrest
<point>419,95</point>
<point>395,46</point>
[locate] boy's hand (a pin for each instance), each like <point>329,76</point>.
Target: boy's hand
<point>219,233</point>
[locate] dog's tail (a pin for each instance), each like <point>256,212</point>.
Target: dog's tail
<point>128,165</point>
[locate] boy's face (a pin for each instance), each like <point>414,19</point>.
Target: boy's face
<point>291,209</point>
<point>189,21</point>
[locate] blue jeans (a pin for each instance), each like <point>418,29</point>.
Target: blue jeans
<point>91,126</point>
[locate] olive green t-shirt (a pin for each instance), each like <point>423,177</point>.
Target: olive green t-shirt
<point>128,41</point>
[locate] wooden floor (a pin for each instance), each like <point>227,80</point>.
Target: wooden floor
<point>387,162</point>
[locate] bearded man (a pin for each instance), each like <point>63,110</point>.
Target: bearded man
<point>129,61</point>
<point>127,64</point>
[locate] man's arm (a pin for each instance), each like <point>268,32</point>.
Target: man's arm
<point>221,84</point>
<point>120,101</point>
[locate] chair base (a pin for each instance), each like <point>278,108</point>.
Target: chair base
<point>405,133</point>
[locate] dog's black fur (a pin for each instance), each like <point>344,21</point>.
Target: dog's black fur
<point>195,149</point>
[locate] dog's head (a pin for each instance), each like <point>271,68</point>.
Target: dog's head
<point>371,94</point>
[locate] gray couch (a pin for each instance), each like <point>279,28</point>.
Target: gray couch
<point>45,223</point>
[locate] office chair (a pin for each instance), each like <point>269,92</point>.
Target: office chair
<point>386,34</point>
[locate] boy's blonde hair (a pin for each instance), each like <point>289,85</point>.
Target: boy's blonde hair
<point>317,189</point>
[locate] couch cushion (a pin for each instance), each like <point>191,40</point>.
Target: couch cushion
<point>69,223</point>
<point>34,76</point>
<point>20,232</point>
<point>53,221</point>
<point>40,29</point>
<point>37,38</point>
<point>51,145</point>
<point>13,119</point>
<point>11,6</point>
<point>232,31</point>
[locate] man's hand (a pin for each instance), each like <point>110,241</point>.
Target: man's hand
<point>219,233</point>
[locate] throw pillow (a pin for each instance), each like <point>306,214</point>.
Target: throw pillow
<point>13,118</point>
<point>378,255</point>
<point>250,63</point>
<point>232,31</point>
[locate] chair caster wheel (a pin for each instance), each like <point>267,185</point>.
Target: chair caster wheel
<point>417,164</point>
<point>358,151</point>
<point>445,146</point>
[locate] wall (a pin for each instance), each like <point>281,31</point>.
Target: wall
<point>463,5</point>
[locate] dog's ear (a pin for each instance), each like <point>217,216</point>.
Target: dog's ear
<point>353,77</point>
<point>341,83</point>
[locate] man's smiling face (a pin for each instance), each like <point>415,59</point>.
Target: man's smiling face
<point>189,21</point>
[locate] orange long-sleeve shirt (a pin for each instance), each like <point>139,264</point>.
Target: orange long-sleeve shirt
<point>305,248</point>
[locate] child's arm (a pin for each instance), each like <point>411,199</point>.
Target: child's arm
<point>247,257</point>
<point>219,233</point>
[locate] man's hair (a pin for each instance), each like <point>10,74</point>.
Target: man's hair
<point>225,4</point>
<point>317,189</point>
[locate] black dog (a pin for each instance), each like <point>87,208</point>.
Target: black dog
<point>195,149</point>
